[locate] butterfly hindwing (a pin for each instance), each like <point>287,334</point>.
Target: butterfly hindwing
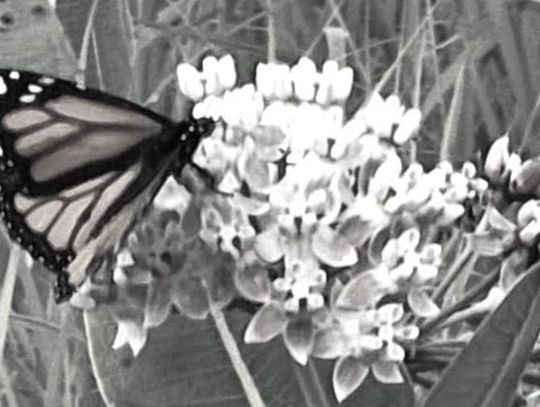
<point>78,167</point>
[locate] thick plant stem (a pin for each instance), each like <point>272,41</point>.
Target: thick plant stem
<point>246,380</point>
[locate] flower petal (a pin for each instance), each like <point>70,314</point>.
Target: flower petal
<point>349,373</point>
<point>421,304</point>
<point>365,289</point>
<point>253,283</point>
<point>268,245</point>
<point>189,82</point>
<point>299,338</point>
<point>132,333</point>
<point>333,249</point>
<point>189,295</point>
<point>158,304</point>
<point>329,343</point>
<point>220,281</point>
<point>387,372</point>
<point>267,323</point>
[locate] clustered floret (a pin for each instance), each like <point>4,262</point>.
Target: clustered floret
<point>318,219</point>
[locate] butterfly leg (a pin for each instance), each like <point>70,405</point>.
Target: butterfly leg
<point>62,288</point>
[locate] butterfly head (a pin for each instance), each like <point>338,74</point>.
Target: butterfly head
<point>203,126</point>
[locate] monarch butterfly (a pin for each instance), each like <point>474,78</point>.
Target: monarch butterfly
<point>78,167</point>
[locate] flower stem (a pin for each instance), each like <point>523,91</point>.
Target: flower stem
<point>457,267</point>
<point>246,380</point>
<point>470,296</point>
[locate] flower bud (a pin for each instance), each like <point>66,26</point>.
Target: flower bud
<point>226,72</point>
<point>189,82</point>
<point>528,235</point>
<point>528,212</point>
<point>304,76</point>
<point>210,73</point>
<point>526,179</point>
<point>408,126</point>
<point>497,159</point>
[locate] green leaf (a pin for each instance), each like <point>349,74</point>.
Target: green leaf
<point>457,142</point>
<point>184,363</point>
<point>487,371</point>
<point>34,39</point>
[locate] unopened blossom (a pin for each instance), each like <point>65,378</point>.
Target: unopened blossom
<point>335,84</point>
<point>274,81</point>
<point>304,77</point>
<point>500,162</point>
<point>528,220</point>
<point>525,178</point>
<point>388,119</point>
<point>217,76</point>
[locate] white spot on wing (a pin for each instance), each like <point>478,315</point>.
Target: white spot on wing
<point>15,75</point>
<point>27,98</point>
<point>45,80</point>
<point>35,88</point>
<point>3,87</point>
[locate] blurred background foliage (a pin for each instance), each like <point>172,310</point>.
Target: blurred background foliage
<point>471,66</point>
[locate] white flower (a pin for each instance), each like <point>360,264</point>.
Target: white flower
<point>217,76</point>
<point>274,81</point>
<point>383,116</point>
<point>242,107</point>
<point>334,84</point>
<point>189,81</point>
<point>304,77</point>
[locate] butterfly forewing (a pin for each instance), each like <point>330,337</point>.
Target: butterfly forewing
<point>77,168</point>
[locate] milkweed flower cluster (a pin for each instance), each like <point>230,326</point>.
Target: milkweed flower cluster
<point>317,219</point>
<point>331,204</point>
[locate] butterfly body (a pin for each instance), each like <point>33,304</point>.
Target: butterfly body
<point>78,167</point>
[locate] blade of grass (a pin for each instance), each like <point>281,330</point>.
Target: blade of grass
<point>83,55</point>
<point>6,294</point>
<point>7,388</point>
<point>54,370</point>
<point>454,116</point>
